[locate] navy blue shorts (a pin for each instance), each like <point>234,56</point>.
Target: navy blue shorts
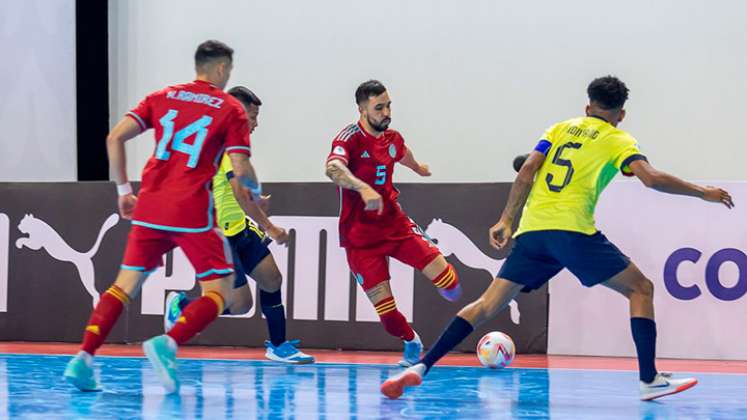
<point>538,256</point>
<point>249,248</point>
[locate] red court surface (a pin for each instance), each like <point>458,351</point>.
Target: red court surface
<point>371,357</point>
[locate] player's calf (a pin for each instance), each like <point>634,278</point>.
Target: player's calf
<point>447,283</point>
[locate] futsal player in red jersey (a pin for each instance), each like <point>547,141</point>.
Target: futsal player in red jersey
<point>373,226</point>
<point>194,123</point>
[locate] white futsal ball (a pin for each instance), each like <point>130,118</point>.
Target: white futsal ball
<point>496,350</point>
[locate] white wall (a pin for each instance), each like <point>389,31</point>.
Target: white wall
<point>37,103</point>
<point>473,82</point>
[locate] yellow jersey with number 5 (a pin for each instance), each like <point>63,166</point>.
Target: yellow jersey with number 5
<point>582,156</point>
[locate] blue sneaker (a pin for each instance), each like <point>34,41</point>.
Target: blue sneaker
<point>411,354</point>
<point>79,372</point>
<point>287,353</point>
<point>173,309</point>
<point>161,351</point>
<point>453,294</point>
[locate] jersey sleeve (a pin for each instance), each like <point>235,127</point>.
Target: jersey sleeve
<point>237,133</point>
<point>627,153</point>
<point>143,113</point>
<point>342,147</point>
<point>401,147</point>
<point>544,144</point>
<point>226,167</point>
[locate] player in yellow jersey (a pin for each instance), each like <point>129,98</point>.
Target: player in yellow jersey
<point>558,187</point>
<point>248,241</point>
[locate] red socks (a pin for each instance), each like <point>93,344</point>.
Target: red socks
<point>103,317</point>
<point>448,279</point>
<point>196,316</point>
<point>393,320</point>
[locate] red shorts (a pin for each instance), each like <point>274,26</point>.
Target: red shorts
<point>370,266</point>
<point>208,251</point>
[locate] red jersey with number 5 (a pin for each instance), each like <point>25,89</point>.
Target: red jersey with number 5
<point>194,124</point>
<point>370,159</point>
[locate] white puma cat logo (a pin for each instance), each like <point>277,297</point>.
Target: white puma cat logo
<point>41,235</point>
<point>451,240</point>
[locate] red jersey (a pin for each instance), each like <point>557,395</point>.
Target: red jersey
<point>194,123</point>
<point>371,160</point>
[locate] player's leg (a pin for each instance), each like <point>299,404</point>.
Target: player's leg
<point>594,260</point>
<point>639,290</point>
<point>142,255</point>
<point>527,267</point>
<point>371,271</point>
<point>269,281</point>
<point>241,296</point>
<point>210,255</point>
<point>253,252</point>
<point>418,251</point>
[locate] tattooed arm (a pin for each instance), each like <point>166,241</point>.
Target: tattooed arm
<point>340,174</point>
<point>501,232</point>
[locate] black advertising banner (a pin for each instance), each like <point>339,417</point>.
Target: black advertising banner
<point>61,245</point>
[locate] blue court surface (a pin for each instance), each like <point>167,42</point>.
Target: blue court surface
<point>31,386</point>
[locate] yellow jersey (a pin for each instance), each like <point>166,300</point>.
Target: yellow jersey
<point>231,218</point>
<point>583,155</point>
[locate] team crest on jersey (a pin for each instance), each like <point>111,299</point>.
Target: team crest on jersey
<point>339,150</point>
<point>365,154</point>
<point>392,151</point>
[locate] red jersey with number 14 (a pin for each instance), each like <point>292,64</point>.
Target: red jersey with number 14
<point>370,159</point>
<point>194,124</point>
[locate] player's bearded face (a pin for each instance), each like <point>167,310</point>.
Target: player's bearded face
<point>378,112</point>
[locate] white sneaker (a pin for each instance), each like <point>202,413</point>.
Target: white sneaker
<point>395,386</point>
<point>411,353</point>
<point>664,385</point>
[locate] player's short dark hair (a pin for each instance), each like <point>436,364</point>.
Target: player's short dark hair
<point>608,91</point>
<point>368,89</point>
<point>212,50</point>
<point>245,96</point>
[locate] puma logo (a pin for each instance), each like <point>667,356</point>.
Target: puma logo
<point>41,235</point>
<point>451,240</point>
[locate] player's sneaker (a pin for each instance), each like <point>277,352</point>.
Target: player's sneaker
<point>664,385</point>
<point>161,351</point>
<point>173,309</point>
<point>452,294</point>
<point>411,353</point>
<point>287,353</point>
<point>79,372</point>
<point>395,386</point>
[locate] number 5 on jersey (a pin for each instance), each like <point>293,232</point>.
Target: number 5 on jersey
<point>380,175</point>
<point>197,128</point>
<point>558,160</point>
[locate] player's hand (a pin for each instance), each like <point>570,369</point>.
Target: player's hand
<point>500,234</point>
<point>717,195</point>
<point>278,235</point>
<point>423,170</point>
<point>372,200</point>
<point>126,205</point>
<point>264,203</point>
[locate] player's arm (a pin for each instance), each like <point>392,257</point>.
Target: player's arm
<point>501,232</point>
<point>409,161</point>
<point>670,184</point>
<point>255,212</point>
<point>245,176</point>
<point>340,174</point>
<point>125,129</point>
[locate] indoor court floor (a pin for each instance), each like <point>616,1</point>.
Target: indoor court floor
<point>237,383</point>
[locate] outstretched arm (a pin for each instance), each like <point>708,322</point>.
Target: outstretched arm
<point>409,161</point>
<point>125,129</point>
<point>501,232</point>
<point>670,184</point>
<point>339,173</point>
